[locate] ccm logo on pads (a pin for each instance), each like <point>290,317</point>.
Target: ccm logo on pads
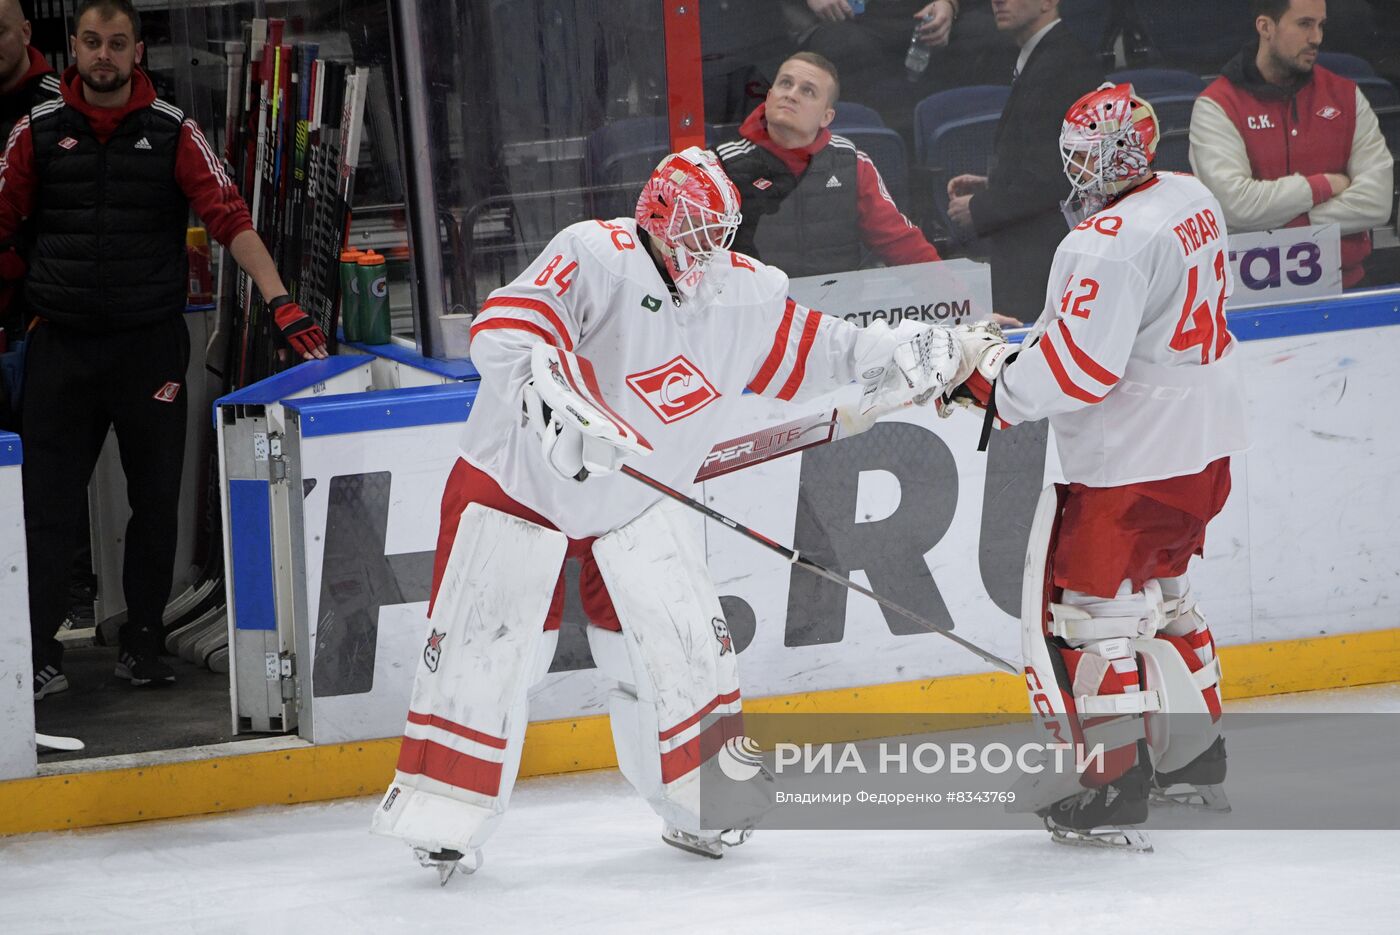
<point>674,390</point>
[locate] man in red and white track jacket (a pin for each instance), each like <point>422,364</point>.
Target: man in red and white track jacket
<point>1283,142</point>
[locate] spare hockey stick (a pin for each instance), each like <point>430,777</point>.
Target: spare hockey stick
<point>797,559</point>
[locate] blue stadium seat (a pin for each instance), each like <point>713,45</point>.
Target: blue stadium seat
<point>1344,64</point>
<point>849,114</point>
<point>1150,81</point>
<point>953,134</point>
<point>935,113</point>
<point>885,148</point>
<point>1173,151</point>
<point>1203,34</point>
<point>1379,92</point>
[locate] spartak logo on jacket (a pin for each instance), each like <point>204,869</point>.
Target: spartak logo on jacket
<point>674,390</point>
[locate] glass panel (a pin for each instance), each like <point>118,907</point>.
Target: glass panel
<point>525,116</point>
<point>980,184</point>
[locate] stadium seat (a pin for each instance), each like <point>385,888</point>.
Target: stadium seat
<point>1201,35</point>
<point>953,134</point>
<point>1173,151</point>
<point>849,114</point>
<point>1378,91</point>
<point>1150,81</point>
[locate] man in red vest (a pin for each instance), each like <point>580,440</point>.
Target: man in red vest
<point>1282,142</point>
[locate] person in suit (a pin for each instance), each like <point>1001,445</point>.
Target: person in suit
<point>1016,206</point>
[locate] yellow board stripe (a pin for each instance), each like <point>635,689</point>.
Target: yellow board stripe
<point>314,773</point>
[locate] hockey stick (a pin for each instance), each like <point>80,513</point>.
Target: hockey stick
<point>796,558</point>
<point>789,438</point>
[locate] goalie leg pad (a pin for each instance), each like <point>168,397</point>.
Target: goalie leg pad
<point>677,701</point>
<point>1081,670</point>
<point>1184,671</point>
<point>486,646</point>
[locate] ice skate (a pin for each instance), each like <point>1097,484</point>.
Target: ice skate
<point>708,843</point>
<point>447,861</point>
<point>1095,817</point>
<point>1204,798</point>
<point>1199,785</point>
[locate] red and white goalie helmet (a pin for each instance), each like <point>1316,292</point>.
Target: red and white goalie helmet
<point>1107,144</point>
<point>692,209</point>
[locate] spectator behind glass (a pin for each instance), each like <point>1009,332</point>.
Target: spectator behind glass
<point>1016,206</point>
<point>812,202</point>
<point>1283,142</point>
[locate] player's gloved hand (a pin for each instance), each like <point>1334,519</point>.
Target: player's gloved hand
<point>984,353</point>
<point>926,358</point>
<point>572,454</point>
<point>297,327</point>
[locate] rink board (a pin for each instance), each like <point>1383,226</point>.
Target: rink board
<point>1306,546</point>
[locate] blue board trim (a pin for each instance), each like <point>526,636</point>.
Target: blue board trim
<point>385,409</point>
<point>250,549</point>
<point>279,386</point>
<point>11,449</point>
<point>457,369</point>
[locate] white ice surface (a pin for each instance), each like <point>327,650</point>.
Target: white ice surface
<point>581,854</point>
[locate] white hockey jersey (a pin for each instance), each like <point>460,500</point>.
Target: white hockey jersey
<point>1131,360</point>
<point>670,367</point>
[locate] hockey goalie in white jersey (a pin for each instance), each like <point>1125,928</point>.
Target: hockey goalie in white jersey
<point>624,340</point>
<point>1133,365</point>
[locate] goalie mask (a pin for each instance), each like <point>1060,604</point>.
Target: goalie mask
<point>691,208</point>
<point>1107,143</point>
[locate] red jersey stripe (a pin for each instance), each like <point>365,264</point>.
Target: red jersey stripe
<point>804,347</point>
<point>534,305</point>
<point>425,758</point>
<point>461,730</point>
<point>1061,377</point>
<point>514,324</point>
<point>1085,362</point>
<point>727,698</point>
<point>778,351</point>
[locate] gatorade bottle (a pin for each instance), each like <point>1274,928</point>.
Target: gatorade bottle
<point>201,290</point>
<point>374,299</point>
<point>350,313</point>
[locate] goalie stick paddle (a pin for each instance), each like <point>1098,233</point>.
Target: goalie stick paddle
<point>797,559</point>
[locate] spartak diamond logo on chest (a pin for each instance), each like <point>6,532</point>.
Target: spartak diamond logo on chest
<point>674,390</point>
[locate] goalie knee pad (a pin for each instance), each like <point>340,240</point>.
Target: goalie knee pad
<point>486,646</point>
<point>678,694</point>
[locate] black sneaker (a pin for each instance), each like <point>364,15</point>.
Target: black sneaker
<point>49,681</point>
<point>143,669</point>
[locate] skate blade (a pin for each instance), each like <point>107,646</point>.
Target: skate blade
<point>713,849</point>
<point>1107,837</point>
<point>1199,798</point>
<point>447,862</point>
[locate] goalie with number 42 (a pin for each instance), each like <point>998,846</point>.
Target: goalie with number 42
<point>627,340</point>
<point>1132,363</point>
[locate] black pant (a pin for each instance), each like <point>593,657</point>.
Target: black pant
<point>77,385</point>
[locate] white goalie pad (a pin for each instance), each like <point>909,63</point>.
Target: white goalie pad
<point>485,647</point>
<point>1185,727</point>
<point>675,662</point>
<point>566,383</point>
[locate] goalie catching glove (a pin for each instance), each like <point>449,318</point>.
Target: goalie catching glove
<point>579,433</point>
<point>908,365</point>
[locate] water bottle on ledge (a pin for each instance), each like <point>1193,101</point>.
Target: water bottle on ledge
<point>916,60</point>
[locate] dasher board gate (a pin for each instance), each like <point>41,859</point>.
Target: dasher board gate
<point>911,509</point>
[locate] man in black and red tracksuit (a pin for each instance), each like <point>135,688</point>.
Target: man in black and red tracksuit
<point>25,80</point>
<point>102,181</point>
<point>812,202</point>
